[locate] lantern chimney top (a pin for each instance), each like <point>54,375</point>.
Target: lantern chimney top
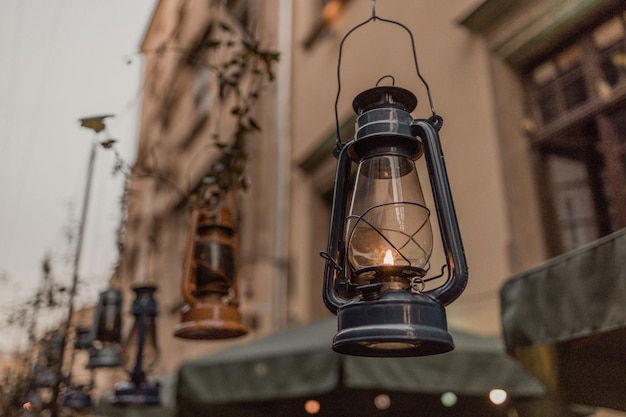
<point>387,96</point>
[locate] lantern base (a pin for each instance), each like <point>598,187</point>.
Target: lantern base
<point>398,324</point>
<point>128,394</point>
<point>210,321</point>
<point>105,357</point>
<point>77,399</point>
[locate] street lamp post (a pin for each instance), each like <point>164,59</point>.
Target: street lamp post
<point>95,123</point>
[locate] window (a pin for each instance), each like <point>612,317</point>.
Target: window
<point>577,99</point>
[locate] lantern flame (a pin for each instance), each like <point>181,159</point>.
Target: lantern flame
<point>388,258</point>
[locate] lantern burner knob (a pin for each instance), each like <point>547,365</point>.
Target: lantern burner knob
<point>371,292</point>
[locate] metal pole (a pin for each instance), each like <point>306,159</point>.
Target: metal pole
<point>75,275</point>
<point>81,233</point>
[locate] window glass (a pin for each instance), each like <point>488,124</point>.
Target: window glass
<point>569,58</point>
<point>548,102</point>
<point>613,66</point>
<point>573,201</point>
<point>618,119</point>
<point>583,153</point>
<point>608,34</point>
<point>574,89</point>
<point>544,73</point>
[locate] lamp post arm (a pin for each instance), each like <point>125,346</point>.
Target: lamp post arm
<point>334,275</point>
<point>448,224</point>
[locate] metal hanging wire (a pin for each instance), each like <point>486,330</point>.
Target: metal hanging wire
<point>373,18</point>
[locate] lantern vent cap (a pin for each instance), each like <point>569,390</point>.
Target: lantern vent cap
<point>386,96</point>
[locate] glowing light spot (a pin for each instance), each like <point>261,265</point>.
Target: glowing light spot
<point>448,399</point>
<point>261,369</point>
<point>388,258</point>
<point>331,10</point>
<point>497,396</point>
<point>382,401</point>
<point>312,406</point>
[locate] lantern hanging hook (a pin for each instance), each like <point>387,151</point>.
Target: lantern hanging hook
<point>393,79</point>
<point>374,17</point>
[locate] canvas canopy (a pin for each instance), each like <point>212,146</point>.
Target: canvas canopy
<point>565,321</point>
<point>278,374</point>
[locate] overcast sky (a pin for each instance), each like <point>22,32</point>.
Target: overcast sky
<point>61,60</point>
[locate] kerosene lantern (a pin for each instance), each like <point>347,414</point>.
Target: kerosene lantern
<point>83,339</point>
<point>106,331</point>
<point>380,241</point>
<point>77,399</point>
<point>48,376</point>
<point>209,284</point>
<point>140,353</point>
<point>80,380</point>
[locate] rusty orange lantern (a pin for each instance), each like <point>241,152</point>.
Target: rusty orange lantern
<point>209,282</point>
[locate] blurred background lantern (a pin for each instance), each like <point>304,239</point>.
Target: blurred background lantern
<point>77,399</point>
<point>106,331</point>
<point>55,347</point>
<point>140,352</point>
<point>83,340</point>
<point>76,395</point>
<point>209,280</point>
<point>44,376</point>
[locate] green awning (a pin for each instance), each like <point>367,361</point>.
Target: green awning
<point>565,321</point>
<point>282,371</point>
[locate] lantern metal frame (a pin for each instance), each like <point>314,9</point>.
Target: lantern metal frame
<point>396,322</point>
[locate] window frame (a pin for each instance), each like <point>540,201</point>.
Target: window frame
<point>607,182</point>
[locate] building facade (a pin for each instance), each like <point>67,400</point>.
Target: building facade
<point>532,101</point>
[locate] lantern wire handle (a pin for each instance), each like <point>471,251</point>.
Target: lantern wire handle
<point>393,79</point>
<point>331,260</point>
<point>374,17</point>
